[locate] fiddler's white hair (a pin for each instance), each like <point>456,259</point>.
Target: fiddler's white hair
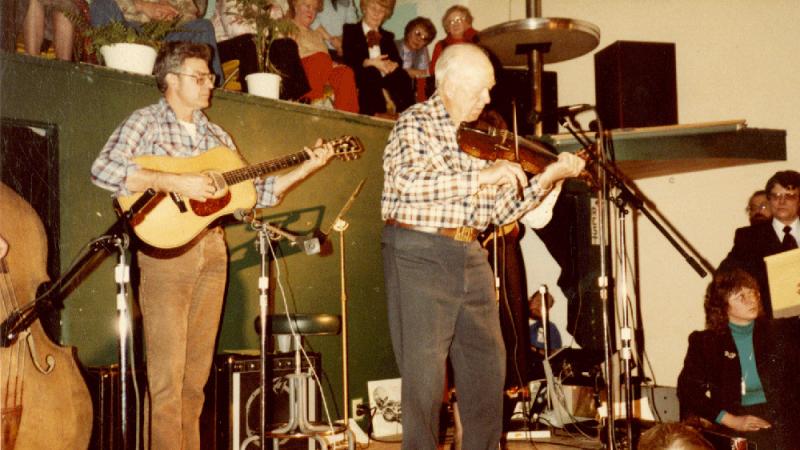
<point>459,59</point>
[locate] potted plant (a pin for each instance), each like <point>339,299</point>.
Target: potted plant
<point>125,47</point>
<point>267,23</point>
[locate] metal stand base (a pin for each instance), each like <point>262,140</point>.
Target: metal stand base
<point>299,426</point>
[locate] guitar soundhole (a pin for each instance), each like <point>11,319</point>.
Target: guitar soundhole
<point>211,205</point>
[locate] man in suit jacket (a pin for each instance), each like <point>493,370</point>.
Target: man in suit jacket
<point>372,54</point>
<point>751,244</point>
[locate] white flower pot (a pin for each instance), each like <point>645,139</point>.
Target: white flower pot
<point>264,84</point>
<point>136,58</point>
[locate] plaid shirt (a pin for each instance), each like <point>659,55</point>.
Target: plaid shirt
<point>155,130</point>
<point>429,181</point>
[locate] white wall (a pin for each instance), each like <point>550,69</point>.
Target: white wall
<point>736,59</point>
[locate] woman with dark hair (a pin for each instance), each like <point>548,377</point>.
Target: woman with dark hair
<point>413,48</point>
<point>740,371</point>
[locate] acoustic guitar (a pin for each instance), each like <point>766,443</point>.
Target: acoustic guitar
<point>169,221</point>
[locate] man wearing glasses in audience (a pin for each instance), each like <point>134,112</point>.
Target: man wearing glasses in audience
<point>782,233</point>
<point>181,290</point>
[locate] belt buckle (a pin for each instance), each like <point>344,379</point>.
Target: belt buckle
<point>465,234</point>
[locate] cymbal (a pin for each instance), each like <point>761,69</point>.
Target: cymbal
<point>558,39</point>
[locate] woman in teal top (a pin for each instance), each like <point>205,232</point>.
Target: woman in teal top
<point>739,373</point>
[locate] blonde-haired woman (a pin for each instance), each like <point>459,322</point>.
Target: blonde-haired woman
<point>318,65</point>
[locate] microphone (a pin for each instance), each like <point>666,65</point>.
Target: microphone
<point>570,111</point>
<point>309,244</point>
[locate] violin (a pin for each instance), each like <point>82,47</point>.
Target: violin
<point>492,143</point>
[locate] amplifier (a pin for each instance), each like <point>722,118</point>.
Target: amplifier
<point>104,386</point>
<point>232,407</point>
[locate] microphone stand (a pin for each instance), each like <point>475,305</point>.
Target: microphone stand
<point>262,245</point>
<point>340,226</point>
<point>609,173</point>
<point>626,196</point>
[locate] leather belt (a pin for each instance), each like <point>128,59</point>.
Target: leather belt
<point>462,234</point>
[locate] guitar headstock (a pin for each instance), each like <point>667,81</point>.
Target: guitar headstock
<point>346,147</point>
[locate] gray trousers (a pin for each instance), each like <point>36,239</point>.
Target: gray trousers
<point>440,299</point>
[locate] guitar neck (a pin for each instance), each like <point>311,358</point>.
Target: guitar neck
<point>257,170</point>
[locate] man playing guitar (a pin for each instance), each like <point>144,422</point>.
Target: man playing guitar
<point>181,289</point>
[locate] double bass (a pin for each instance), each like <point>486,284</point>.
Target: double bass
<point>44,399</point>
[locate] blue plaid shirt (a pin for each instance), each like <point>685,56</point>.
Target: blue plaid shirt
<point>155,130</point>
<point>429,181</point>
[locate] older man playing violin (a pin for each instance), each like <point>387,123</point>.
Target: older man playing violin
<point>439,285</point>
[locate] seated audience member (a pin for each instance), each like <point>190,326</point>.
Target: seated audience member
<point>235,38</point>
<point>740,371</point>
<point>331,20</point>
<point>136,12</point>
<point>370,51</point>
<point>33,26</point>
<point>758,208</point>
<point>537,325</point>
<point>319,67</point>
<point>235,42</point>
<point>457,23</point>
<point>751,244</point>
<point>673,436</point>
<point>413,48</point>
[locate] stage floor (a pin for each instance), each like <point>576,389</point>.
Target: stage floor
<point>560,439</point>
<point>559,442</point>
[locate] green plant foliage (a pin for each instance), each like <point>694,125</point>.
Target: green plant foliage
<point>257,14</point>
<point>150,33</point>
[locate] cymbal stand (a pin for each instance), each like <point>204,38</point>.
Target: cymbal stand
<point>533,8</point>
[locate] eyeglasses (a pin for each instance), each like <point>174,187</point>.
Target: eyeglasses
<point>200,78</point>
<point>788,196</point>
<point>421,34</point>
<point>456,19</point>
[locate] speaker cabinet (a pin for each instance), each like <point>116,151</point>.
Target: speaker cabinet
<point>232,407</point>
<point>635,84</point>
<point>572,238</point>
<point>105,389</point>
